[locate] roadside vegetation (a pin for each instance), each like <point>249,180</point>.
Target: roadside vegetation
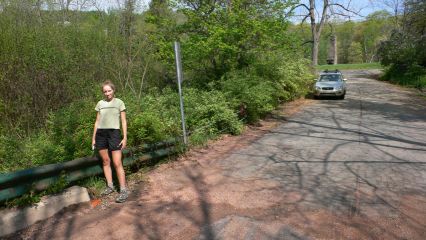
<point>404,52</point>
<point>239,63</point>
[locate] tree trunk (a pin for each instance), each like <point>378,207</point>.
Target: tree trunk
<point>39,10</point>
<point>332,47</point>
<point>315,42</point>
<point>335,48</point>
<point>317,28</point>
<point>315,48</point>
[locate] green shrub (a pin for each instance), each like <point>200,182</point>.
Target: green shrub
<point>273,78</point>
<point>157,116</point>
<point>411,76</point>
<point>250,93</point>
<point>148,127</point>
<point>10,150</point>
<point>208,113</point>
<point>296,77</point>
<point>29,152</point>
<point>72,128</point>
<point>40,150</point>
<point>67,135</point>
<point>154,118</point>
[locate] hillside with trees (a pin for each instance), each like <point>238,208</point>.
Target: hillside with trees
<point>239,59</point>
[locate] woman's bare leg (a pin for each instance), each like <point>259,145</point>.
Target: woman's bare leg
<point>106,166</point>
<point>118,164</point>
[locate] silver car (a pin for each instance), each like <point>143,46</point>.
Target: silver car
<point>330,84</point>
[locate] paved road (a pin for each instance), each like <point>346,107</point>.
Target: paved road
<point>339,169</point>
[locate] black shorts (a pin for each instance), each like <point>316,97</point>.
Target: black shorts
<point>108,139</point>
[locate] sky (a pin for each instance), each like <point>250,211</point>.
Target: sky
<point>364,7</point>
<point>106,4</point>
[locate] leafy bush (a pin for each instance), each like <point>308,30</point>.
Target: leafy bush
<point>72,127</point>
<point>155,118</point>
<point>251,94</point>
<point>295,76</point>
<point>208,113</point>
<point>273,78</point>
<point>66,136</point>
<point>412,76</point>
<point>32,151</point>
<point>40,150</point>
<point>404,53</point>
<point>10,149</point>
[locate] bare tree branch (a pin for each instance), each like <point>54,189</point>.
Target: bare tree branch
<point>295,7</point>
<point>346,9</point>
<point>304,19</point>
<point>306,42</point>
<point>324,17</point>
<point>301,15</point>
<point>142,80</point>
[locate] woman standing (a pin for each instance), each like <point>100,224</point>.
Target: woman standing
<point>107,137</point>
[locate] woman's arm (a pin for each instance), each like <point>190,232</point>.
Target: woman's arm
<point>124,127</point>
<point>95,128</point>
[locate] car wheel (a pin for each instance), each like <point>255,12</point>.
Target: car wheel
<point>342,97</point>
<point>316,97</point>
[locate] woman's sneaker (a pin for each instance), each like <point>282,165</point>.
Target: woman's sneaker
<point>122,197</point>
<point>107,191</point>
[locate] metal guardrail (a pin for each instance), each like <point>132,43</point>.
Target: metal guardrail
<point>18,183</point>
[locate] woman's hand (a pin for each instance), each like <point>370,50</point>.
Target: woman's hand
<point>123,143</point>
<point>95,128</point>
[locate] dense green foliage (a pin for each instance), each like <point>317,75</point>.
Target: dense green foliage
<point>404,53</point>
<point>240,61</point>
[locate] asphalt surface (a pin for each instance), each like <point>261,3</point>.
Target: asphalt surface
<point>339,169</point>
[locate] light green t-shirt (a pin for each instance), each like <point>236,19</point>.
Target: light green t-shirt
<point>110,113</point>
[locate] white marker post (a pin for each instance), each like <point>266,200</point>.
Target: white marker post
<point>180,79</point>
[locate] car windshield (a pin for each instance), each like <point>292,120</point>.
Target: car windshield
<point>329,78</point>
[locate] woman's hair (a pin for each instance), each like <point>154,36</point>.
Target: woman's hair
<point>108,83</point>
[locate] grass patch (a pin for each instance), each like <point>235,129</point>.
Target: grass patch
<point>375,65</point>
